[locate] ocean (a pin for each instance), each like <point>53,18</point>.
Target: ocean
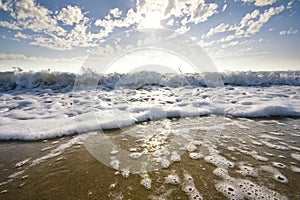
<point>147,135</point>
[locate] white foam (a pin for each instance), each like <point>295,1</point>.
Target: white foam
<point>188,186</point>
<point>21,163</point>
<point>242,188</point>
<point>173,179</point>
<point>112,186</point>
<point>43,106</point>
<point>219,161</point>
<point>175,157</point>
<point>3,191</point>
<point>260,158</point>
<point>279,165</point>
<point>296,156</point>
<point>16,174</point>
<point>221,172</point>
<point>295,169</point>
<point>125,172</point>
<point>115,164</point>
<point>57,151</point>
<point>276,174</point>
<point>275,146</point>
<point>247,171</point>
<point>229,190</point>
<point>165,163</point>
<point>146,182</point>
<point>196,156</point>
<point>114,151</point>
<point>135,155</point>
<point>251,190</point>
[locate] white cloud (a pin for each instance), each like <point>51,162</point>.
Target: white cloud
<point>29,15</point>
<point>150,13</point>
<point>7,6</point>
<point>182,30</point>
<point>196,11</point>
<point>260,3</point>
<point>204,44</point>
<point>252,22</point>
<point>264,2</point>
<point>224,7</point>
<point>9,25</point>
<point>70,15</point>
<point>231,44</point>
<point>290,4</point>
<point>249,25</point>
<point>255,26</point>
<point>4,56</point>
<point>218,29</point>
<point>249,16</point>
<point>21,35</point>
<point>21,57</point>
<point>116,13</point>
<point>71,64</point>
<point>201,11</point>
<point>34,17</point>
<point>170,22</point>
<point>288,32</point>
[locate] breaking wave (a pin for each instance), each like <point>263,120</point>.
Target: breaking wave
<point>62,80</point>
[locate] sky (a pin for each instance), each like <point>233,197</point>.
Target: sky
<point>237,35</point>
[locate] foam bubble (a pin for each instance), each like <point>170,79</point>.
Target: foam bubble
<point>221,172</point>
<point>296,156</point>
<point>251,190</point>
<point>115,164</point>
<point>190,147</point>
<point>175,157</point>
<point>57,151</point>
<point>188,186</point>
<point>21,163</point>
<point>229,190</point>
<point>173,179</point>
<point>195,156</point>
<point>256,143</point>
<point>16,174</point>
<point>135,155</point>
<point>125,173</point>
<point>260,158</point>
<point>276,133</point>
<point>295,169</point>
<point>112,186</point>
<point>146,182</point>
<point>3,191</point>
<point>219,161</point>
<point>247,171</point>
<point>276,174</point>
<point>275,146</point>
<point>279,165</point>
<point>114,151</point>
<point>165,163</point>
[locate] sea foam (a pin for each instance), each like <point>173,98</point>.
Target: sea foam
<point>42,105</point>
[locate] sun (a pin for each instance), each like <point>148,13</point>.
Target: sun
<point>149,58</point>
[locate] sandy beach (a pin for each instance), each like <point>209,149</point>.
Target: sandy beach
<point>263,151</point>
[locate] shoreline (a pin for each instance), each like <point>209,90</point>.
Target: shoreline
<point>75,173</point>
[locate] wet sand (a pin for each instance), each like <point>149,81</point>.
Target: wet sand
<point>73,173</point>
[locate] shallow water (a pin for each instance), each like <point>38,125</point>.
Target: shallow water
<point>263,151</point>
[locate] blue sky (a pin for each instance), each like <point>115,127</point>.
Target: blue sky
<point>236,34</point>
